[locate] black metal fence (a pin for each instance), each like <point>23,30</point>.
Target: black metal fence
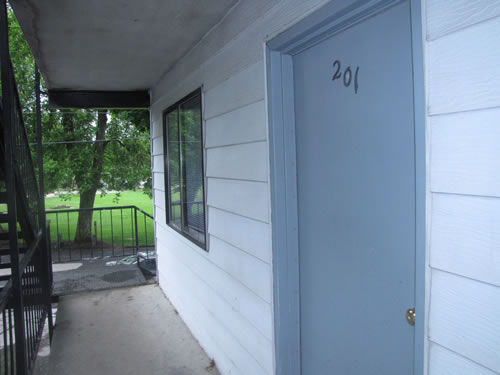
<point>26,277</point>
<point>7,342</point>
<point>25,311</point>
<point>25,169</point>
<point>115,231</point>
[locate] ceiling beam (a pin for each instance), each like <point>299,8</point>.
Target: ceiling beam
<point>98,99</point>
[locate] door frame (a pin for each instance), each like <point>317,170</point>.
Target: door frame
<point>332,18</point>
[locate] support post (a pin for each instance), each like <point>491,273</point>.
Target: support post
<point>45,247</point>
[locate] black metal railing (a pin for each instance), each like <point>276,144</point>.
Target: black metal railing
<point>25,295</point>
<point>35,297</point>
<point>115,231</point>
<point>25,307</point>
<point>7,336</point>
<point>28,192</point>
<point>25,171</point>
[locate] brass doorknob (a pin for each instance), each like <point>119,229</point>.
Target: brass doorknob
<point>410,316</point>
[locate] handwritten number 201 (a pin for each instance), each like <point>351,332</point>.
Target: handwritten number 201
<point>348,76</point>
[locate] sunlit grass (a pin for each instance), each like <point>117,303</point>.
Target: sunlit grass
<point>111,226</point>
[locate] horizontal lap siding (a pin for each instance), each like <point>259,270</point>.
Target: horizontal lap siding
<point>464,72</point>
<point>243,300</point>
<point>242,319</point>
<point>238,91</point>
<point>446,362</point>
<point>243,267</point>
<point>247,234</point>
<point>257,349</point>
<point>159,198</point>
<point>446,16</point>
<point>463,94</point>
<point>247,124</point>
<point>159,181</point>
<point>157,146</point>
<point>465,157</point>
<point>160,215</point>
<point>464,318</point>
<point>245,198</point>
<point>466,236</point>
<point>241,162</point>
<point>158,165</point>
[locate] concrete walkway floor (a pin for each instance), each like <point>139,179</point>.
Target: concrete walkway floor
<point>93,275</point>
<point>125,331</point>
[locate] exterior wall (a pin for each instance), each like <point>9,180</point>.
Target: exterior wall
<point>225,295</point>
<point>463,109</point>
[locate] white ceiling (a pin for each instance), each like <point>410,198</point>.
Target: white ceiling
<point>113,44</point>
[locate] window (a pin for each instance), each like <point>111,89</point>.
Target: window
<point>184,177</point>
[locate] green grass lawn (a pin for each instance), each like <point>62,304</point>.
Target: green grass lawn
<point>126,198</point>
<point>113,226</point>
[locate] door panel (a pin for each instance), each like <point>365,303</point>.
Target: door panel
<point>356,198</point>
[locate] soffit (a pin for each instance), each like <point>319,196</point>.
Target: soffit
<point>118,45</point>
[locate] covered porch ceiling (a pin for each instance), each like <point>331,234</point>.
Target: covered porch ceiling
<point>96,53</point>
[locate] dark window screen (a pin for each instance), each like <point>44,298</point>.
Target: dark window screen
<point>185,178</point>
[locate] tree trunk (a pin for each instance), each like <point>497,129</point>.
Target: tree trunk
<point>84,226</point>
<point>88,189</point>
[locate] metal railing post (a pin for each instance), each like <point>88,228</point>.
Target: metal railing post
<point>10,142</point>
<point>45,256</point>
<point>136,231</point>
<point>49,260</point>
<point>146,236</point>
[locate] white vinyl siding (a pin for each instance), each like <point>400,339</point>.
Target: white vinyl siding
<point>463,98</point>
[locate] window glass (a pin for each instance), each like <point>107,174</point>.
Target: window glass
<point>192,166</point>
<point>184,175</point>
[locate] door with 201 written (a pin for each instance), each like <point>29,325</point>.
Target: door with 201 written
<point>355,152</point>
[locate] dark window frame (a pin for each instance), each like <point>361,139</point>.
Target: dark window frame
<point>182,230</point>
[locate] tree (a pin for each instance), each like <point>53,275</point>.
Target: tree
<point>88,180</point>
<point>84,150</point>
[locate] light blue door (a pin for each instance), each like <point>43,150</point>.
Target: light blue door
<point>356,198</point>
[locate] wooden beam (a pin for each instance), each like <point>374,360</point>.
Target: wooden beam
<point>98,99</point>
